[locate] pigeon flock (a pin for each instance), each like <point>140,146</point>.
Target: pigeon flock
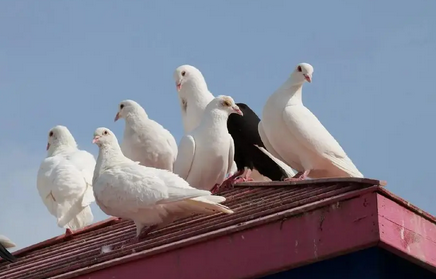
<point>152,181</point>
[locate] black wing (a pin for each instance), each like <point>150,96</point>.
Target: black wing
<point>245,134</point>
<point>4,254</point>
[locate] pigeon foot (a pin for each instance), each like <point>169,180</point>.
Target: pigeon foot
<point>299,176</point>
<point>242,179</point>
<point>145,231</point>
<point>227,184</point>
<point>68,232</point>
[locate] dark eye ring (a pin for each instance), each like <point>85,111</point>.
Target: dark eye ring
<point>183,73</point>
<point>299,69</point>
<point>105,132</point>
<point>51,133</point>
<point>121,106</point>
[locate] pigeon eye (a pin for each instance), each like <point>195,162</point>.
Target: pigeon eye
<point>299,69</point>
<point>121,106</point>
<point>227,103</point>
<point>105,133</point>
<point>51,134</point>
<point>183,73</point>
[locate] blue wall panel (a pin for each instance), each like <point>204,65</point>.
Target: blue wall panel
<point>372,263</point>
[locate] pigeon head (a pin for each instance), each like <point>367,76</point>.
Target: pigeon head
<point>127,108</point>
<point>302,73</point>
<point>60,136</point>
<point>226,104</point>
<point>104,136</point>
<point>189,78</point>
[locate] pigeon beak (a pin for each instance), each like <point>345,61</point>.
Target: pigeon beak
<point>96,138</point>
<point>178,86</point>
<point>308,78</point>
<point>48,145</point>
<point>117,117</point>
<point>237,110</point>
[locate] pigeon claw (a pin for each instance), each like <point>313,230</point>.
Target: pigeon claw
<point>227,184</point>
<point>299,176</point>
<point>215,189</point>
<point>68,232</point>
<point>144,232</point>
<point>141,236</point>
<point>293,179</point>
<point>242,179</point>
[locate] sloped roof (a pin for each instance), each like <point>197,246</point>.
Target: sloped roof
<point>69,257</point>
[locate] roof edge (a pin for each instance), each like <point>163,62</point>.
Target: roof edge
<point>114,220</point>
<point>283,215</point>
<point>405,233</point>
<point>358,180</point>
<point>400,201</point>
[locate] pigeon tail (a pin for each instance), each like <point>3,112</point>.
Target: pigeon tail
<point>207,205</point>
<point>4,254</point>
<point>75,219</point>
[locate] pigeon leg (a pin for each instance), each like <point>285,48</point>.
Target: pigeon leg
<point>142,234</point>
<point>227,184</point>
<point>215,189</point>
<point>299,176</point>
<point>145,231</point>
<point>68,232</point>
<point>245,177</point>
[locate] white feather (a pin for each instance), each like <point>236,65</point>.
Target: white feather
<point>148,196</point>
<point>185,157</point>
<point>64,182</point>
<point>145,140</point>
<point>207,153</point>
<point>6,242</point>
<point>295,133</point>
<point>194,96</point>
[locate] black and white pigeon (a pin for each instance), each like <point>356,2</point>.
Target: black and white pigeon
<point>250,152</point>
<point>194,96</point>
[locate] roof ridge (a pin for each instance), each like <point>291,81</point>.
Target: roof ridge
<point>307,182</point>
<point>365,182</point>
<point>87,247</point>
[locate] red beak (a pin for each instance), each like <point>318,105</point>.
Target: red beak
<point>179,86</point>
<point>238,111</point>
<point>117,117</point>
<point>308,78</point>
<point>96,138</point>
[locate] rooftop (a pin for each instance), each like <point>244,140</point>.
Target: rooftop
<point>269,218</point>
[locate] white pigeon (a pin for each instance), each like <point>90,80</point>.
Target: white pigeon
<point>65,180</point>
<point>194,96</point>
<point>145,140</point>
<point>292,133</point>
<point>206,154</point>
<point>6,243</point>
<point>148,196</point>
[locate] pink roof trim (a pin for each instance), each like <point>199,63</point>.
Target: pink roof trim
<point>289,226</point>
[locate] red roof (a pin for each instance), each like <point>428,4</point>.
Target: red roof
<point>312,217</point>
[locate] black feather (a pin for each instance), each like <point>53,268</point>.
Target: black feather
<point>245,134</point>
<point>4,254</point>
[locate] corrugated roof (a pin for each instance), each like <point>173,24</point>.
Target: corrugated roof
<point>250,201</point>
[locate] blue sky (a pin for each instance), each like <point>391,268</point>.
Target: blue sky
<point>71,63</point>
